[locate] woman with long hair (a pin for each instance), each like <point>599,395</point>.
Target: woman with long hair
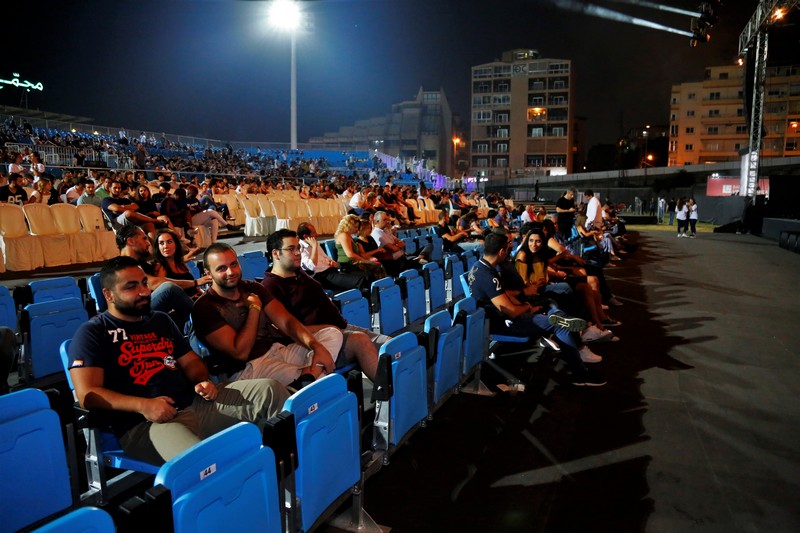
<point>170,261</point>
<point>349,253</point>
<point>692,206</point>
<point>682,215</point>
<point>41,194</point>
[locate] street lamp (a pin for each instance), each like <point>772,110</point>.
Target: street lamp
<point>456,141</point>
<point>285,15</point>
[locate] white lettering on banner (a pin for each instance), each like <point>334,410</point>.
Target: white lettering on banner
<point>208,471</point>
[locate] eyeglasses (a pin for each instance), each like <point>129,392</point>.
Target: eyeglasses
<point>291,249</point>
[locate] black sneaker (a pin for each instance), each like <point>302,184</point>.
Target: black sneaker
<point>588,379</point>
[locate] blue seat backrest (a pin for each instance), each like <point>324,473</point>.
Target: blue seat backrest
<point>193,270</point>
<point>96,290</point>
<point>83,520</point>
<point>328,445</point>
<point>354,308</point>
<point>227,482</point>
<point>35,479</point>
<point>474,332</point>
<point>253,264</point>
<point>8,309</point>
<point>447,369</point>
<point>411,245</point>
<point>409,401</point>
<point>390,316</point>
<point>465,284</point>
<point>453,262</point>
<point>472,259</point>
<point>51,323</point>
<point>436,293</point>
<point>438,248</point>
<point>330,248</point>
<point>415,301</point>
<point>47,290</point>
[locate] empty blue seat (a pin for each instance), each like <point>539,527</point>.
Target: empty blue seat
<point>415,295</point>
<point>35,479</point>
<point>254,265</point>
<point>390,302</point>
<point>436,289</point>
<point>447,368</point>
<point>96,291</point>
<point>47,290</point>
<point>354,308</point>
<point>473,318</point>
<point>411,245</point>
<point>227,482</point>
<point>328,446</point>
<point>454,267</point>
<point>408,405</point>
<point>329,246</point>
<point>8,309</point>
<point>83,520</point>
<point>46,325</point>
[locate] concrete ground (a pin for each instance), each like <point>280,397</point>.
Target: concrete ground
<point>697,430</point>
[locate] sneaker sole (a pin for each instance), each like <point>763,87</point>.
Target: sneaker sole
<point>587,384</point>
<point>572,324</point>
<point>591,361</point>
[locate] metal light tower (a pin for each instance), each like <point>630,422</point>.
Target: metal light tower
<point>755,35</point>
<point>285,15</point>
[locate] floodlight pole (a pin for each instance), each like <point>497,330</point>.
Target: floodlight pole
<point>293,105</point>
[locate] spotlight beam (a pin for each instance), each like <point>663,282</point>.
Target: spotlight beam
<point>610,14</point>
<point>659,7</point>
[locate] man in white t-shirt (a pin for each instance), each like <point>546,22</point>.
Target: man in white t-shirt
<point>594,211</point>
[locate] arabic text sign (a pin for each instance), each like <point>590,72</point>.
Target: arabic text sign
<point>21,84</point>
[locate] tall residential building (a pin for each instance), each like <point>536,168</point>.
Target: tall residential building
<point>708,122</point>
<point>523,117</point>
<point>420,128</point>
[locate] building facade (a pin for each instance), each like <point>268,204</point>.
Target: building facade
<point>709,123</point>
<point>522,116</point>
<point>415,129</point>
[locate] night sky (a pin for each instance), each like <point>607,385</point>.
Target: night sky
<point>216,69</point>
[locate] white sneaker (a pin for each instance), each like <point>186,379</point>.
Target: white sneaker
<point>593,333</point>
<point>587,356</point>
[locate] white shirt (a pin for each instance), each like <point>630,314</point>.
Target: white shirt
<point>323,260</point>
<point>355,200</point>
<point>525,217</point>
<point>383,237</point>
<point>594,213</point>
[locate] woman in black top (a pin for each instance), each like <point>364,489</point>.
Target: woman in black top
<point>170,261</point>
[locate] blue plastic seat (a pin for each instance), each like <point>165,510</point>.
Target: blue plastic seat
<point>390,313</point>
<point>96,291</point>
<point>354,307</point>
<point>328,446</point>
<point>254,265</point>
<point>475,333</point>
<point>83,520</point>
<point>436,289</point>
<point>46,325</point>
<point>8,309</point>
<point>329,246</point>
<point>415,295</point>
<point>454,267</point>
<point>47,290</point>
<point>408,405</point>
<point>447,367</point>
<point>35,479</point>
<point>227,482</point>
<point>193,270</point>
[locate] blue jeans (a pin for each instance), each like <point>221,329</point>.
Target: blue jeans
<point>537,326</point>
<point>171,299</point>
<point>671,217</point>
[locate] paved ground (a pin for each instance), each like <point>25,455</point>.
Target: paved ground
<point>696,431</point>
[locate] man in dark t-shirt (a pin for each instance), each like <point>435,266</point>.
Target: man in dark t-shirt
<point>305,298</point>
<point>565,209</point>
<point>240,321</point>
<point>149,387</point>
<point>14,193</point>
<point>449,237</point>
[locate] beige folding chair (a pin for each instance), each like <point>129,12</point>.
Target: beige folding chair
<point>55,245</point>
<point>20,250</point>
<point>94,223</point>
<point>81,244</point>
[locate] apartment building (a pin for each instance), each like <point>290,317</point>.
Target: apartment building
<point>522,116</point>
<point>419,128</point>
<point>709,124</point>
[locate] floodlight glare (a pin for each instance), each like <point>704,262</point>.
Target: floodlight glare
<point>284,15</point>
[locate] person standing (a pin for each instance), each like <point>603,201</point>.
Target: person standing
<point>692,205</point>
<point>671,205</point>
<point>662,205</point>
<point>565,212</point>
<point>681,214</point>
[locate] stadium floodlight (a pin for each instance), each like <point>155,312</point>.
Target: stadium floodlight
<point>285,15</point>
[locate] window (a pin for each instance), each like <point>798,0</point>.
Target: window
<point>690,113</point>
<point>559,100</point>
<point>501,100</point>
<point>673,146</point>
<point>713,112</point>
<point>689,130</point>
<point>535,131</point>
<point>673,130</point>
<point>714,96</point>
<point>691,96</point>
<point>791,146</point>
<point>674,100</point>
<point>737,147</point>
<point>502,162</point>
<point>482,162</point>
<point>534,160</point>
<point>482,72</point>
<point>712,147</point>
<point>501,117</point>
<point>480,101</point>
<point>556,160</point>
<point>741,130</point>
<point>535,84</point>
<point>723,75</point>
<point>502,87</point>
<point>673,116</point>
<point>689,147</point>
<point>537,114</point>
<point>537,101</point>
<point>501,148</point>
<point>482,116</point>
<point>482,88</point>
<point>557,131</point>
<point>559,84</point>
<point>482,148</point>
<point>713,130</point>
<point>740,112</point>
<point>502,133</point>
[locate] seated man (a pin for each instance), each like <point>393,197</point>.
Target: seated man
<point>122,211</point>
<point>237,319</point>
<point>136,363</point>
<point>508,316</point>
<point>384,236</point>
<point>168,295</point>
<point>324,269</point>
<point>306,300</point>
